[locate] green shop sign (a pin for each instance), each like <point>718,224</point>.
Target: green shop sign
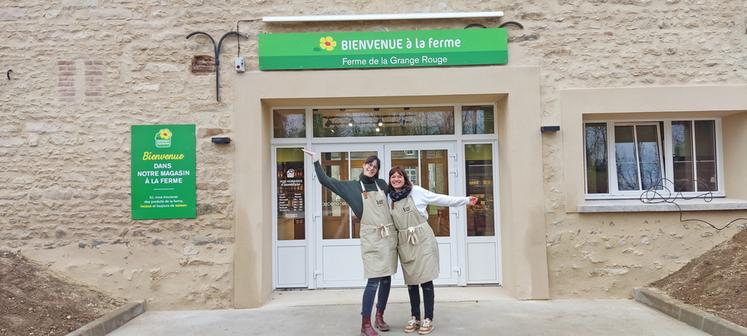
<point>416,48</point>
<point>163,172</point>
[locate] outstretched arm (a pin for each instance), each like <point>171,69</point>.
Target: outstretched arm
<point>332,184</point>
<point>446,200</point>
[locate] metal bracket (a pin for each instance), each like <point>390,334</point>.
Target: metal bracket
<point>216,50</point>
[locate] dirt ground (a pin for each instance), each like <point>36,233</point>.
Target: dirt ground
<point>716,281</point>
<point>35,302</point>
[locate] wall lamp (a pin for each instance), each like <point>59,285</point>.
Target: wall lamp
<point>549,129</point>
<point>220,140</point>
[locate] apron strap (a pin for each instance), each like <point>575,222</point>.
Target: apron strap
<point>363,188</point>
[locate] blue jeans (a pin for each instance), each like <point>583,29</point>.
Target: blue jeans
<point>428,299</point>
<point>370,292</point>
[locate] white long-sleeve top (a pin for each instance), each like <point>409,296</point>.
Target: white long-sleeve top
<point>422,197</point>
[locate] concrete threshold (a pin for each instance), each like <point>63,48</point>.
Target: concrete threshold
<point>321,297</point>
<point>689,314</point>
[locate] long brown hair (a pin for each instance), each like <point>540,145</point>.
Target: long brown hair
<point>401,171</point>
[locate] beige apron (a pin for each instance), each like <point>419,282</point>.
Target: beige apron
<point>417,245</point>
<point>378,237</point>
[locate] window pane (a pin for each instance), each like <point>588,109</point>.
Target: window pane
<point>648,156</point>
<point>597,179</point>
<point>434,170</point>
<point>430,170</point>
<point>335,211</point>
<point>479,168</point>
<point>384,122</point>
<point>705,150</point>
<point>290,182</point>
<point>682,156</point>
<point>289,123</point>
<point>478,119</point>
<point>357,160</point>
<point>408,160</point>
<point>625,158</point>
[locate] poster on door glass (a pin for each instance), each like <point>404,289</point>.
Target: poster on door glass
<point>290,190</point>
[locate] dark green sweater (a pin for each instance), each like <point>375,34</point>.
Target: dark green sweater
<point>350,191</point>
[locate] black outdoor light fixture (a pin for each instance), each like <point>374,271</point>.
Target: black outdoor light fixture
<point>216,50</point>
<point>549,129</point>
<point>220,140</point>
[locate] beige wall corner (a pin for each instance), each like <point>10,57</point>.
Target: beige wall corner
<point>735,160</point>
<point>522,220</point>
<point>253,194</point>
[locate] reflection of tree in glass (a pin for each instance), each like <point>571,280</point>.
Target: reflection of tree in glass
<point>650,164</point>
<point>596,158</point>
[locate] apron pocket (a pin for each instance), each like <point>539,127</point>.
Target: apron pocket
<point>406,252</point>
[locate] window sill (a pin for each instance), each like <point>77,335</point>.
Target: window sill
<point>717,204</point>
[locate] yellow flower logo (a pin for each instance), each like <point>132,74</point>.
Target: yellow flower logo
<point>327,43</point>
<point>165,134</point>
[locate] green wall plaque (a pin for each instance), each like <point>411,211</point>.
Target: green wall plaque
<point>413,48</point>
<point>163,172</point>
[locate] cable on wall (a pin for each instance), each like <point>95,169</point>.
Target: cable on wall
<point>660,193</point>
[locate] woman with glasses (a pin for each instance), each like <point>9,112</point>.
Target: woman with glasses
<point>367,198</point>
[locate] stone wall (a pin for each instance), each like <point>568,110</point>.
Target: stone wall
<point>84,71</point>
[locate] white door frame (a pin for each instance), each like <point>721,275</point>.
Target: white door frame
<point>452,242</point>
<point>316,262</point>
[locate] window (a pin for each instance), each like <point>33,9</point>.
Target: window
<point>395,121</point>
<point>290,194</point>
<point>289,123</point>
<point>478,119</point>
<point>628,158</point>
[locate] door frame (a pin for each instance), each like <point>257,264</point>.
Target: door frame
<point>457,186</point>
<point>316,242</point>
<point>455,214</point>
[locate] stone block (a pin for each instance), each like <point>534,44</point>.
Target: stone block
<point>691,316</point>
<point>11,14</point>
<point>719,327</point>
<point>658,302</point>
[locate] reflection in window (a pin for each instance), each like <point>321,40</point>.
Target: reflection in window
<point>430,170</point>
<point>355,122</point>
<point>596,158</point>
<point>479,167</point>
<point>290,194</point>
<point>637,157</point>
<point>289,123</point>
<point>478,119</point>
<point>338,220</point>
<point>641,156</point>
<point>690,160</point>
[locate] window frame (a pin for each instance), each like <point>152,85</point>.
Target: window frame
<point>666,159</point>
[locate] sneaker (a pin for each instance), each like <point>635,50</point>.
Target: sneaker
<point>412,325</point>
<point>426,328</point>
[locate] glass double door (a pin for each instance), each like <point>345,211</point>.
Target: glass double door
<point>433,166</point>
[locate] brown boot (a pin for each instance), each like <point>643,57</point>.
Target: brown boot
<point>366,328</point>
<point>380,324</point>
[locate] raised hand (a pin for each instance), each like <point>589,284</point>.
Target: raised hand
<point>313,155</point>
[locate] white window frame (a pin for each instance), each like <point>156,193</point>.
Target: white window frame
<point>666,152</point>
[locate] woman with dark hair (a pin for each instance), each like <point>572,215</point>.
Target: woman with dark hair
<point>367,198</point>
<point>417,247</point>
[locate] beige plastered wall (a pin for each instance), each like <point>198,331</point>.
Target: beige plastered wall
<point>606,254</point>
<point>516,91</point>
